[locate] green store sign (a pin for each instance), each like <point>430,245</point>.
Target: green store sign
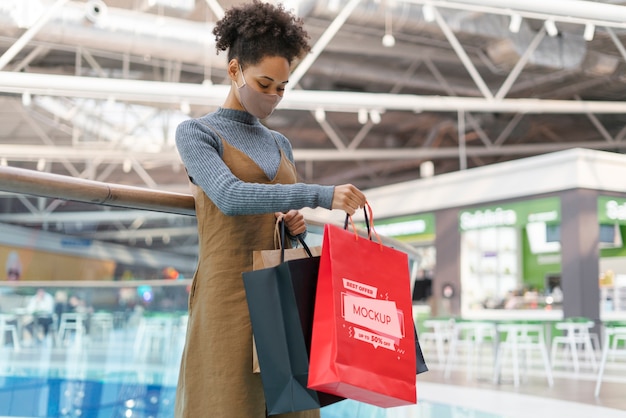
<point>408,228</point>
<point>611,210</point>
<point>516,214</point>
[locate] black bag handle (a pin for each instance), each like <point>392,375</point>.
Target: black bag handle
<point>300,238</point>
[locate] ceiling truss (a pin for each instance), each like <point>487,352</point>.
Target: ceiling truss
<point>461,87</point>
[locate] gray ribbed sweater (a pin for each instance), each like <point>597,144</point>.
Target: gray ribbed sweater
<point>201,149</point>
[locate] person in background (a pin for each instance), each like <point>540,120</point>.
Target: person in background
<point>77,305</point>
<point>60,304</point>
<point>41,308</point>
<point>243,177</point>
<point>13,267</point>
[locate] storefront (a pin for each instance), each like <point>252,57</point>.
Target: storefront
<point>508,259</point>
<point>535,237</point>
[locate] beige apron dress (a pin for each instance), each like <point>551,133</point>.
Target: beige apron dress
<point>216,378</point>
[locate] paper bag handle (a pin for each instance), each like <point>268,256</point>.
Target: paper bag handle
<point>281,226</point>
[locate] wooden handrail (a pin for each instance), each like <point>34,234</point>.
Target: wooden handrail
<point>19,180</point>
<point>56,186</point>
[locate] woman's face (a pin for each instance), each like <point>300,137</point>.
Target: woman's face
<point>269,76</point>
<point>258,88</point>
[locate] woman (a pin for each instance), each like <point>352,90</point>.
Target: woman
<point>242,177</point>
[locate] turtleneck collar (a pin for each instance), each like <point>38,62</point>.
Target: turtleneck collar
<point>237,116</point>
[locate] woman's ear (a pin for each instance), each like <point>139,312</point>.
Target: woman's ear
<point>233,69</point>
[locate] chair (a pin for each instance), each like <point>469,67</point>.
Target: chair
<point>101,325</point>
<point>8,324</point>
<point>613,332</point>
<point>153,336</point>
<point>521,338</point>
<point>438,331</point>
<point>71,322</point>
<point>576,335</point>
<point>472,335</point>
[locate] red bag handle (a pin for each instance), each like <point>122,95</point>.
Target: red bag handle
<point>369,223</point>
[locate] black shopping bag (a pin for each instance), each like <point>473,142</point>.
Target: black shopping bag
<point>420,363</point>
<point>281,300</point>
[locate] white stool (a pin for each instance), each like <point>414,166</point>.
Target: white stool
<point>154,335</point>
<point>521,338</point>
<point>72,323</point>
<point>576,335</point>
<point>8,324</point>
<point>471,335</point>
<point>612,332</point>
<point>439,331</point>
<point>617,338</point>
<point>101,325</point>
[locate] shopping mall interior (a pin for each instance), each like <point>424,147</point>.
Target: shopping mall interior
<point>488,138</point>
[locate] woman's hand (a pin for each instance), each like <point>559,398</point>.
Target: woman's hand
<point>294,221</point>
<point>348,198</point>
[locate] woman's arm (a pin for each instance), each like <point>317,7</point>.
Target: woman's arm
<point>199,152</point>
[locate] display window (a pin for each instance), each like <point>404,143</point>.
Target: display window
<point>507,256</point>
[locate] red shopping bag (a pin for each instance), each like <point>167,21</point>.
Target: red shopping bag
<point>363,343</point>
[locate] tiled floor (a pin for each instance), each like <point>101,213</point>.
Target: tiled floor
<point>568,385</point>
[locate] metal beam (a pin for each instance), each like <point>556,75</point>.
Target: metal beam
<point>29,153</point>
<point>30,33</point>
<point>448,152</point>
<point>321,43</point>
<point>465,59</point>
<point>174,93</point>
<point>570,11</point>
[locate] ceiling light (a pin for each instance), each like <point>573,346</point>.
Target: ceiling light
<point>333,6</point>
<point>27,100</point>
<point>185,107</point>
<point>516,23</point>
<point>427,169</point>
<point>551,27</point>
<point>320,115</point>
<point>3,162</point>
<point>389,40</point>
<point>362,116</point>
<point>590,30</point>
<point>375,116</point>
<point>41,164</point>
<point>127,165</point>
<point>429,12</point>
<point>95,10</point>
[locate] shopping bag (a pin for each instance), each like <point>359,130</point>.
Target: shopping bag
<point>281,301</point>
<point>363,344</point>
<point>420,362</point>
<point>270,258</point>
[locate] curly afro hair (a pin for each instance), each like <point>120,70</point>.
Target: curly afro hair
<point>256,30</point>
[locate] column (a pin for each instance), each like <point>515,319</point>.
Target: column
<point>448,262</point>
<point>580,254</point>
